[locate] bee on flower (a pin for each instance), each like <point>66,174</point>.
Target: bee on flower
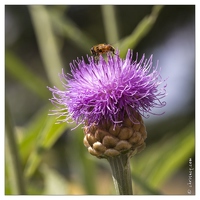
<point>100,49</point>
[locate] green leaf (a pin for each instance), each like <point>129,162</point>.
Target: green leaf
<point>89,167</point>
<point>47,42</point>
<point>54,183</point>
<point>176,153</point>
<point>31,132</point>
<point>68,29</point>
<point>143,184</point>
<point>13,160</point>
<point>82,162</point>
<point>139,32</point>
<point>16,68</point>
<point>47,136</point>
<point>159,162</point>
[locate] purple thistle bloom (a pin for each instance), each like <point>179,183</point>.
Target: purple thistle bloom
<point>108,91</point>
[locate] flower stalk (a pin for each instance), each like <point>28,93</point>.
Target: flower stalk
<point>121,174</point>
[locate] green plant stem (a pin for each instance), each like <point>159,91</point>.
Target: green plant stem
<point>12,152</point>
<point>140,31</point>
<point>47,42</point>
<point>121,174</point>
<point>110,23</point>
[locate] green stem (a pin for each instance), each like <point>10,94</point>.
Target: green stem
<point>110,23</point>
<point>47,42</point>
<point>16,171</point>
<point>121,174</point>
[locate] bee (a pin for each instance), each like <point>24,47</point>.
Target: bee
<point>101,49</point>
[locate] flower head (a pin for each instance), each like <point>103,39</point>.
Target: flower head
<point>110,90</point>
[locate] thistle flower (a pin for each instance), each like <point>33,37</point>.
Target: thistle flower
<point>110,98</point>
<point>108,91</point>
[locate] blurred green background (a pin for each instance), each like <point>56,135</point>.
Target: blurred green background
<point>42,157</point>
